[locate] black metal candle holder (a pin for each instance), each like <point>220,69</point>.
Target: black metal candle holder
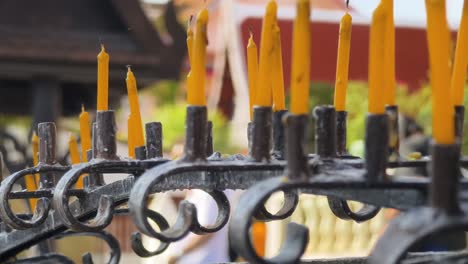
<point>261,133</point>
<point>341,130</point>
<point>195,134</point>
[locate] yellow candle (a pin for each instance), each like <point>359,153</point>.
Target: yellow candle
<point>196,88</point>
<point>35,151</point>
<point>73,147</point>
<point>131,136</point>
<point>190,54</point>
<point>461,60</point>
<point>190,40</point>
<point>376,57</point>
<point>389,58</point>
<point>442,108</point>
<point>252,68</point>
<point>277,72</point>
<point>301,60</point>
<point>103,80</point>
<point>342,63</point>
<point>33,180</point>
<point>85,133</point>
<point>135,109</point>
<point>263,85</point>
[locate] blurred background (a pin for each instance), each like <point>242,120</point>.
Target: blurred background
<point>48,71</point>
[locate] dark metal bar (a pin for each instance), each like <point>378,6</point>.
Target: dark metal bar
<point>341,130</point>
<point>154,140</point>
<point>106,130</point>
<point>325,133</point>
<point>279,146</point>
<point>393,140</point>
<point>376,146</point>
<point>93,179</point>
<point>140,153</point>
<point>94,141</point>
<point>209,138</point>
<point>249,137</point>
<point>445,175</point>
<point>47,144</point>
<point>261,133</point>
<point>297,167</point>
<point>195,133</point>
<point>459,120</point>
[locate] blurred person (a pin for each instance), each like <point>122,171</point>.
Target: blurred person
<point>204,249</point>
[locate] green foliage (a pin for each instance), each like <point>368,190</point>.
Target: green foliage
<point>166,92</point>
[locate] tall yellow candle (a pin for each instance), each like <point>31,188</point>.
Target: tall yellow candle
<point>252,68</point>
<point>190,40</point>
<point>342,63</point>
<point>263,86</point>
<point>196,88</point>
<point>131,136</point>
<point>85,133</point>
<point>277,72</point>
<point>461,60</point>
<point>300,72</point>
<point>31,183</point>
<point>376,57</point>
<point>74,152</point>
<point>135,109</point>
<point>190,55</point>
<point>442,107</point>
<point>35,151</point>
<point>389,58</point>
<point>103,80</point>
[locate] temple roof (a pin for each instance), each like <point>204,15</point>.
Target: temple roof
<point>62,38</point>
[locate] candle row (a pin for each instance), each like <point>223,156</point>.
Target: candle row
<point>265,75</point>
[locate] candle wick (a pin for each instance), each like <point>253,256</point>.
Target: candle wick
<point>347,3</point>
<point>250,31</point>
<point>129,67</point>
<point>82,107</point>
<point>190,21</point>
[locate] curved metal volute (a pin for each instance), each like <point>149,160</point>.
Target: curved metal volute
<point>136,239</point>
<point>239,229</point>
<point>111,241</point>
<point>8,216</point>
<point>340,208</point>
<point>61,204</point>
<point>291,199</point>
<point>222,218</point>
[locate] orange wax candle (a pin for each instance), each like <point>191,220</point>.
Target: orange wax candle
<point>135,109</point>
<point>443,129</point>
<point>73,147</point>
<point>197,80</point>
<point>85,133</point>
<point>277,72</point>
<point>342,63</point>
<point>389,57</point>
<point>376,57</point>
<point>461,60</point>
<point>131,136</point>
<point>35,151</point>
<point>263,86</point>
<point>189,50</point>
<point>301,60</point>
<point>32,181</point>
<point>252,68</point>
<point>103,80</point>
